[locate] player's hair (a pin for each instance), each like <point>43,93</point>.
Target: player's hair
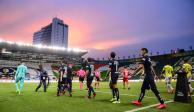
<point>90,59</point>
<point>112,54</point>
<point>144,49</point>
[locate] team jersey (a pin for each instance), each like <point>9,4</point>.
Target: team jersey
<point>69,72</point>
<point>43,74</point>
<point>125,73</point>
<point>113,65</point>
<point>21,71</point>
<point>63,71</point>
<point>97,74</point>
<point>168,70</point>
<point>146,61</point>
<point>81,73</point>
<point>90,69</point>
<point>188,69</point>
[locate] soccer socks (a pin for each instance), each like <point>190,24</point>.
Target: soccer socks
<point>113,93</point>
<point>38,87</point>
<point>90,89</point>
<point>81,85</point>
<point>190,87</point>
<point>117,93</point>
<point>89,92</point>
<point>16,84</point>
<point>169,87</point>
<point>159,98</point>
<point>45,87</point>
<point>21,84</point>
<point>141,96</point>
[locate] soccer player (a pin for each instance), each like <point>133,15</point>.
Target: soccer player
<point>43,78</point>
<point>62,82</point>
<point>81,74</point>
<point>126,78</point>
<point>113,70</point>
<point>167,71</point>
<point>188,69</point>
<point>69,79</point>
<point>90,77</point>
<point>148,80</point>
<point>20,76</point>
<point>97,75</point>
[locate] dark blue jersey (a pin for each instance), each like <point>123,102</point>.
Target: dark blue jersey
<point>146,61</point>
<point>43,74</point>
<point>90,69</point>
<point>63,71</point>
<point>69,72</point>
<point>113,65</point>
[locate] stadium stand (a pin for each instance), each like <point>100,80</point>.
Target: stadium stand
<point>12,53</point>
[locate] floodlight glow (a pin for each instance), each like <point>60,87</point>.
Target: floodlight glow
<point>1,40</point>
<point>20,43</point>
<point>69,49</point>
<point>9,42</point>
<point>40,46</point>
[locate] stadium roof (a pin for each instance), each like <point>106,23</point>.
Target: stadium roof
<point>18,47</point>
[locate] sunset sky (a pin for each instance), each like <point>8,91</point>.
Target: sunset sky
<point>101,26</point>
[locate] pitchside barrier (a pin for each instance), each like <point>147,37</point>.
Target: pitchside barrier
<point>182,93</point>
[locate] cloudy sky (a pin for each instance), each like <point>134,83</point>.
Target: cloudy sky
<point>101,26</point>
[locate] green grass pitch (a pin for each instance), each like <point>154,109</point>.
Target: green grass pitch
<point>30,101</point>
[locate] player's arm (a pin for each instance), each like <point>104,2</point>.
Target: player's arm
<point>17,71</point>
<point>163,72</point>
<point>141,67</point>
<point>26,69</point>
<point>153,71</point>
<point>87,73</point>
<point>108,72</point>
<point>60,75</point>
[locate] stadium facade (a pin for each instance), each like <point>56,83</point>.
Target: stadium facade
<point>54,34</point>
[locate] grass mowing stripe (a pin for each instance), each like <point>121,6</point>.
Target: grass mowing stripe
<point>120,94</point>
<point>146,107</point>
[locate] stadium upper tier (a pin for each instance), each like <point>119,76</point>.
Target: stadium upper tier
<point>17,51</point>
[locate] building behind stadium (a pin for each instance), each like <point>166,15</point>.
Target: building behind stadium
<point>54,34</point>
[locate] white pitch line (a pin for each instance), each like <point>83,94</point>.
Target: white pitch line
<point>146,107</point>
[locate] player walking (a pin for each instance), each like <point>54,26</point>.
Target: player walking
<point>168,71</point>
<point>148,80</point>
<point>113,70</point>
<point>126,78</point>
<point>20,76</point>
<point>81,74</point>
<point>43,78</point>
<point>97,75</point>
<point>90,77</point>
